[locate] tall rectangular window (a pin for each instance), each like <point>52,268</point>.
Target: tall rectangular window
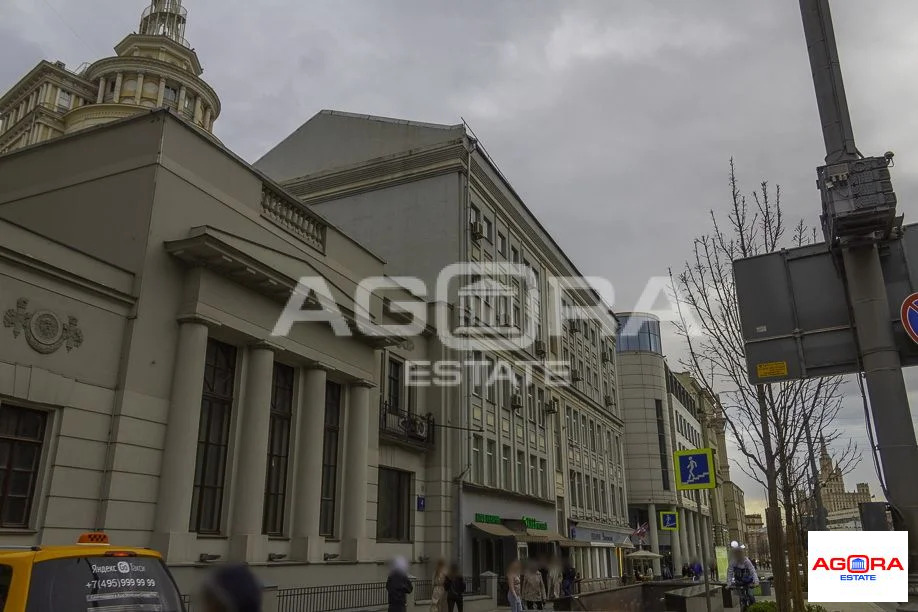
<point>477,471</point>
<point>661,439</point>
<point>330,459</point>
<point>491,461</point>
<point>506,468</point>
<point>533,475</point>
<point>572,480</point>
<point>521,471</point>
<point>393,510</point>
<point>394,386</point>
<point>213,437</point>
<point>278,450</point>
<point>22,434</point>
<point>543,478</point>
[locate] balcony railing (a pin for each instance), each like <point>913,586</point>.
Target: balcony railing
<point>294,217</point>
<point>404,426</point>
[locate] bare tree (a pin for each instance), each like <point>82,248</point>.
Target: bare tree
<point>765,421</point>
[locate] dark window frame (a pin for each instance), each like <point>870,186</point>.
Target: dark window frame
<point>331,448</point>
<point>17,444</point>
<point>216,420</point>
<point>276,473</point>
<point>393,516</point>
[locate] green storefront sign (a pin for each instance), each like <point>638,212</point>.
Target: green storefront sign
<point>532,523</point>
<point>487,518</point>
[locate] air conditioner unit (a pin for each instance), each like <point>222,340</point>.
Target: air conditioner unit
<point>576,376</point>
<point>420,429</point>
<point>477,229</point>
<point>550,407</point>
<point>516,402</point>
<point>539,347</point>
<point>575,327</point>
<point>607,356</point>
<point>609,401</point>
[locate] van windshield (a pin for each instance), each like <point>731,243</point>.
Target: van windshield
<point>102,584</point>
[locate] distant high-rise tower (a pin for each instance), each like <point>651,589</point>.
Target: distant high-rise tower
<point>154,67</point>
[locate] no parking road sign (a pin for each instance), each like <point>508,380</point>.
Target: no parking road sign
<point>695,469</point>
<point>909,315</point>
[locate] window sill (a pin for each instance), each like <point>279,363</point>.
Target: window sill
<point>390,541</point>
<point>215,536</point>
<point>17,531</point>
<point>278,538</point>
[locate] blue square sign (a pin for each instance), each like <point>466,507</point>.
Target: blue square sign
<point>422,503</point>
<point>695,469</point>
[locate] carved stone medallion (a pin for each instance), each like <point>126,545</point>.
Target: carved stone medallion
<point>44,330</point>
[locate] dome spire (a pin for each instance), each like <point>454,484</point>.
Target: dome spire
<point>165,18</point>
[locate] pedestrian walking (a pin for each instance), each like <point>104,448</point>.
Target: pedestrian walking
<point>514,595</point>
<point>398,585</point>
<point>533,588</point>
<point>231,588</point>
<point>568,577</point>
<point>554,578</point>
<point>438,588</point>
<point>686,571</point>
<point>455,589</point>
<point>696,570</point>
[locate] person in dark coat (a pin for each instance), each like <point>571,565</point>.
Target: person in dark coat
<point>686,571</point>
<point>568,578</point>
<point>398,586</point>
<point>231,588</point>
<point>455,589</point>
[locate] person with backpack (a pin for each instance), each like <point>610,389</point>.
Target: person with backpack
<point>231,588</point>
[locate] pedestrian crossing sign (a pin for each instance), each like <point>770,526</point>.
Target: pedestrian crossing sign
<point>694,469</point>
<point>669,520</point>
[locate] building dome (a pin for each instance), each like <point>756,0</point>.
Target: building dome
<point>154,67</point>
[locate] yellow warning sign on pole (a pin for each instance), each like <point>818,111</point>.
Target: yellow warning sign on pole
<point>771,369</point>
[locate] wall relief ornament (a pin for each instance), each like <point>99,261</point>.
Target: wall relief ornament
<point>44,330</point>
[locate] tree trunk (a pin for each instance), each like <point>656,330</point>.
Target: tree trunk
<point>796,590</point>
<point>773,512</point>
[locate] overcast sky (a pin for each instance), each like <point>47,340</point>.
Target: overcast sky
<point>614,120</point>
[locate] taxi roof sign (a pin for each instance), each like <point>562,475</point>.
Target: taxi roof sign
<point>93,537</point>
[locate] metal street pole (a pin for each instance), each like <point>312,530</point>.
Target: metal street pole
<point>858,214</point>
<point>704,547</point>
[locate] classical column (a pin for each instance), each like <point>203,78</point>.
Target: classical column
<point>161,93</point>
<point>307,543</point>
<point>692,555</point>
<point>176,479</point>
<point>683,540</point>
<point>100,96</point>
<point>183,93</point>
<point>654,537</point>
<point>139,89</point>
<point>207,113</point>
<point>699,534</point>
<point>354,532</point>
<point>676,539</point>
<point>247,542</point>
<point>198,111</point>
<point>118,79</point>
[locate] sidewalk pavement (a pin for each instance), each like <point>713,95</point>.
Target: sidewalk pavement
<point>840,607</point>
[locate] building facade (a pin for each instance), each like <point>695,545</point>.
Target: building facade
<point>834,496</point>
<point>142,378</point>
<point>757,539</point>
<point>734,511</point>
<point>661,417</point>
<point>154,67</point>
<point>524,450</point>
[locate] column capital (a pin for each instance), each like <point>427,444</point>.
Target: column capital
<point>193,317</point>
<point>265,345</point>
<point>363,383</point>
<point>319,366</point>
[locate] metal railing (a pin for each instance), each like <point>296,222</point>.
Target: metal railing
<point>332,597</point>
<point>405,426</point>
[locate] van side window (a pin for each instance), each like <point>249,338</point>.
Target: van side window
<point>6,578</point>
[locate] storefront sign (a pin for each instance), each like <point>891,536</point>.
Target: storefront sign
<point>487,518</point>
<point>532,523</point>
<point>602,536</point>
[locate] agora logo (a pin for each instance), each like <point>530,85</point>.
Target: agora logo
<point>858,567</point>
